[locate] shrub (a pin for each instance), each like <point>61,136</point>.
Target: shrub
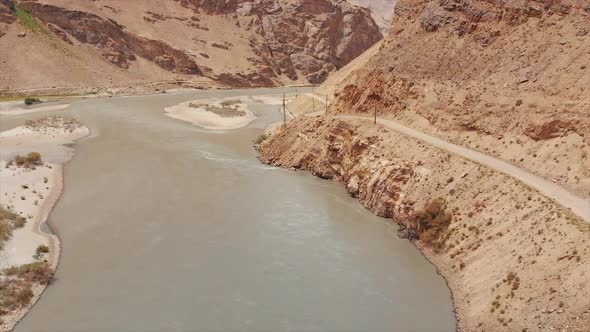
<point>24,296</point>
<point>431,223</point>
<point>231,102</point>
<point>261,139</point>
<point>39,272</point>
<point>41,250</point>
<point>34,158</point>
<point>31,101</point>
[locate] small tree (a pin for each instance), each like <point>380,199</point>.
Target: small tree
<point>34,158</point>
<point>31,101</point>
<point>41,250</point>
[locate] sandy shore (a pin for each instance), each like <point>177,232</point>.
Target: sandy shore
<point>32,193</point>
<point>35,109</point>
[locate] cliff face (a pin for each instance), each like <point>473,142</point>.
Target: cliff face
<point>233,43</point>
<point>509,78</point>
<point>514,260</point>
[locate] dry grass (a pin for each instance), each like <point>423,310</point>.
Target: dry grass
<point>432,222</point>
<point>9,221</point>
<point>16,285</point>
<point>28,161</point>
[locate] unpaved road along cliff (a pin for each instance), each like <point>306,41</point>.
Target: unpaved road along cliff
<point>514,259</point>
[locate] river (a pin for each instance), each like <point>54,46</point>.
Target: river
<point>167,227</point>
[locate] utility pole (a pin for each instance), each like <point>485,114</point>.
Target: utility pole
<point>326,105</point>
<point>312,103</point>
<point>284,111</point>
<point>375,121</point>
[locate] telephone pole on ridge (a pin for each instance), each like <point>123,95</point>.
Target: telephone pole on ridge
<point>284,111</point>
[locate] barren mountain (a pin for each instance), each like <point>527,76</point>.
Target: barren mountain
<point>507,78</point>
<point>231,43</point>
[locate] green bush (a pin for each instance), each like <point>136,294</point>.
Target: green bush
<point>32,158</point>
<point>31,101</point>
<point>41,250</point>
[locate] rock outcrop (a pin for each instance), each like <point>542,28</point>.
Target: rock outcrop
<point>236,43</point>
<point>309,38</point>
<point>508,78</point>
<point>514,260</point>
<point>118,46</point>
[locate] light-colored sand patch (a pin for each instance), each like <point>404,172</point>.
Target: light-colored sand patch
<point>31,192</point>
<point>28,193</point>
<point>49,141</point>
<point>24,110</point>
<point>196,113</point>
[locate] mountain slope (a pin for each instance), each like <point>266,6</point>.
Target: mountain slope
<point>239,43</point>
<point>507,78</point>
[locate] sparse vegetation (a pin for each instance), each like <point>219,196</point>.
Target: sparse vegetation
<point>225,110</point>
<point>41,250</point>
<point>16,285</point>
<point>32,159</point>
<point>28,20</point>
<point>9,221</point>
<point>431,223</point>
<point>32,101</point>
<point>39,272</point>
<point>261,138</point>
<point>231,102</point>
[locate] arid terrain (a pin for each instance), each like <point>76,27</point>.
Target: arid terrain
<point>464,123</point>
<point>195,43</point>
<point>509,80</point>
<point>30,188</point>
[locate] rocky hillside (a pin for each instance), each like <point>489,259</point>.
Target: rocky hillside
<point>508,78</point>
<point>236,43</point>
<point>514,260</point>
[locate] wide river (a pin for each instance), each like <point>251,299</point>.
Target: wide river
<point>167,227</point>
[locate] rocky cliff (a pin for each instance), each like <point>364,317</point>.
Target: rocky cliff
<point>514,260</point>
<point>508,78</point>
<point>237,43</point>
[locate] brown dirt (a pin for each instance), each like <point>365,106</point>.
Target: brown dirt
<point>509,79</point>
<point>242,44</point>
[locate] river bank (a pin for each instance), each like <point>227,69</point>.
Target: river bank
<point>503,241</point>
<point>30,189</point>
<point>237,257</point>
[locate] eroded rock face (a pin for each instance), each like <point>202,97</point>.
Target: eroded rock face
<point>498,229</point>
<point>304,37</point>
<point>116,44</point>
<point>6,17</point>
<point>492,67</point>
<point>233,43</point>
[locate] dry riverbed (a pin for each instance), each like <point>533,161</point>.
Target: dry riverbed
<point>30,188</point>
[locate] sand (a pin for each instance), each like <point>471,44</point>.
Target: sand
<point>199,116</point>
<point>32,193</point>
<point>35,109</point>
